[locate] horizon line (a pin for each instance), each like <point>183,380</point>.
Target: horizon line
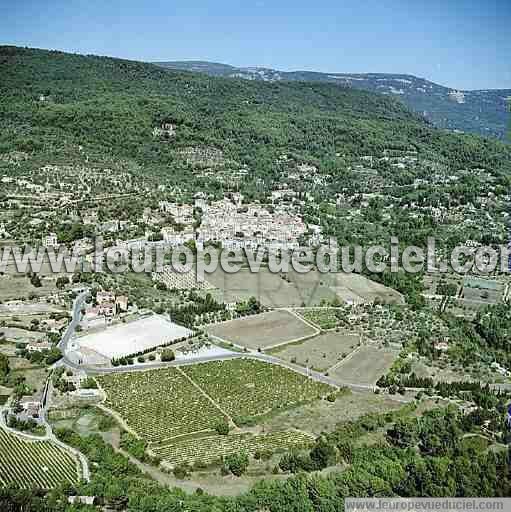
<point>304,70</point>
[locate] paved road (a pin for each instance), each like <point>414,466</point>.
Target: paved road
<point>49,435</point>
<point>225,357</point>
<point>80,300</point>
<point>48,388</point>
<point>76,315</point>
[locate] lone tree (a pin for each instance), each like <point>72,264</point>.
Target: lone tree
<point>237,463</point>
<point>222,428</point>
<point>62,282</point>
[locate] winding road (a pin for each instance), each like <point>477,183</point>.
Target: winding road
<point>78,303</point>
<point>49,435</point>
<point>48,388</point>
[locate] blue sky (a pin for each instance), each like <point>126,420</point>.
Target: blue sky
<point>463,44</point>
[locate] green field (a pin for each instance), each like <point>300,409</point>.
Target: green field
<point>177,409</point>
<point>210,449</point>
<point>159,404</point>
<point>323,318</point>
<point>34,464</point>
<point>246,387</point>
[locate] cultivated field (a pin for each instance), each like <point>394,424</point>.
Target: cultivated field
<point>324,318</point>
<point>294,289</point>
<point>366,366</point>
<point>248,388</point>
<point>320,352</point>
<point>162,405</point>
<point>262,331</point>
<point>210,449</point>
<point>159,404</point>
<point>133,337</point>
<point>270,289</point>
<point>40,464</point>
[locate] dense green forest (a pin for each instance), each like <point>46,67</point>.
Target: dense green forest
<point>51,103</point>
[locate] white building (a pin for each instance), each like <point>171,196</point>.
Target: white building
<point>50,240</point>
<point>176,238</point>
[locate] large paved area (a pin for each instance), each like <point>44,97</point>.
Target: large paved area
<point>133,337</point>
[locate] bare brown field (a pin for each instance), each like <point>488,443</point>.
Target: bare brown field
<point>294,289</point>
<point>262,331</point>
<point>366,366</point>
<point>320,352</point>
<point>352,286</point>
<point>270,289</point>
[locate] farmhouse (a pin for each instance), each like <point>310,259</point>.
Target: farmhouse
<point>31,408</point>
<point>442,345</point>
<point>39,347</point>
<point>121,303</point>
<point>103,297</point>
<point>54,325</point>
<point>81,500</point>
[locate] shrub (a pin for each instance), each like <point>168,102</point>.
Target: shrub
<point>168,355</point>
<point>181,471</point>
<point>89,383</point>
<point>222,428</point>
<point>237,463</point>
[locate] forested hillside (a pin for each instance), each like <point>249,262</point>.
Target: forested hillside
<point>52,103</point>
<point>485,112</point>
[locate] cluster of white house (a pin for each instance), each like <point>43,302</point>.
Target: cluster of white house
<point>229,222</point>
<point>249,226</point>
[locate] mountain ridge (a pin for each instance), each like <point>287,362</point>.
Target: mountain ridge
<point>58,106</point>
<point>481,111</point>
